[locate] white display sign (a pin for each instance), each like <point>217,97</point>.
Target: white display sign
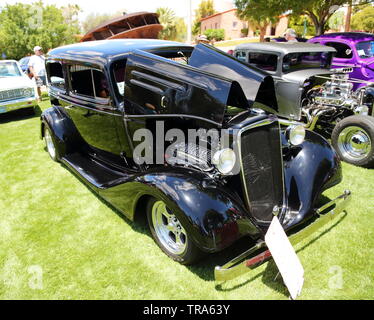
<point>285,258</point>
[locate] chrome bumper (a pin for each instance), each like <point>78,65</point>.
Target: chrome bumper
<point>237,266</point>
<point>17,104</point>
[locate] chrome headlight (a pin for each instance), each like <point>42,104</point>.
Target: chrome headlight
<point>295,134</point>
<point>224,160</point>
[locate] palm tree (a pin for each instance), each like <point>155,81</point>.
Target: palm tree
<point>167,19</point>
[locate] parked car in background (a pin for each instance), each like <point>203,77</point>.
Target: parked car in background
<point>24,63</point>
<point>308,90</point>
<point>353,50</point>
<point>17,91</point>
<point>198,196</point>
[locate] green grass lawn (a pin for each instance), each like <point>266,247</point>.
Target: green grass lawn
<point>59,241</point>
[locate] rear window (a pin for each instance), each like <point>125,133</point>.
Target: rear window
<point>306,60</point>
<point>343,51</point>
<point>263,61</point>
<point>88,81</point>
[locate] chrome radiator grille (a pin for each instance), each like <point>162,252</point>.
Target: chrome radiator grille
<point>15,94</point>
<point>262,170</point>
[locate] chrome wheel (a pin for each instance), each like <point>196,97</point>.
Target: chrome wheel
<point>354,143</point>
<point>49,144</point>
<point>168,229</point>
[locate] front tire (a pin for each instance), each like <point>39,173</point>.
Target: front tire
<point>353,139</point>
<point>169,233</point>
<point>50,143</point>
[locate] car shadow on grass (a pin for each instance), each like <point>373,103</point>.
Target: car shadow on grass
<point>21,114</point>
<point>204,269</point>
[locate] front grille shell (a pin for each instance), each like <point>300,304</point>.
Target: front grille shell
<point>261,166</point>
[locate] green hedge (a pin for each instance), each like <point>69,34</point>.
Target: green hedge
<point>217,34</point>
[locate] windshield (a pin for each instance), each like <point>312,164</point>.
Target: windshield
<point>9,69</point>
<point>365,49</point>
<point>306,60</point>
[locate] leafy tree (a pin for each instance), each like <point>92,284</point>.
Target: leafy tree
<point>258,13</point>
<point>181,30</point>
<point>364,19</point>
<point>298,22</point>
<point>22,26</point>
<point>318,11</point>
<point>167,19</point>
<point>205,9</point>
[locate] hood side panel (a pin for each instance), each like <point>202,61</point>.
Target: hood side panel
<point>155,85</point>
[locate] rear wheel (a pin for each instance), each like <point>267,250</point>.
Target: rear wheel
<point>50,143</point>
<point>169,233</point>
<point>353,139</point>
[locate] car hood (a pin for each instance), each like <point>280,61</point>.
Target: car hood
<point>16,82</point>
<point>256,84</point>
<point>302,75</point>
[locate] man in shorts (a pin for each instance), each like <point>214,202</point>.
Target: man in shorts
<point>37,69</point>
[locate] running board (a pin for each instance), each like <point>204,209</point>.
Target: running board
<point>94,172</point>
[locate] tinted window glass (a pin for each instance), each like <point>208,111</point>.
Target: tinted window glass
<point>264,61</point>
<point>306,60</point>
<point>343,50</point>
<point>88,81</point>
<point>240,55</point>
<point>55,75</point>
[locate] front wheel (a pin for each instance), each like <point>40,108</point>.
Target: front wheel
<point>169,233</point>
<point>50,143</point>
<point>353,139</point>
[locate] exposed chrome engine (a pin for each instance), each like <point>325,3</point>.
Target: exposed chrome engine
<point>334,98</point>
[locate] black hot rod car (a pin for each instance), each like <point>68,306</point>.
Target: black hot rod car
<point>197,198</point>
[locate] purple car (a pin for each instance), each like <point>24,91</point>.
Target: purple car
<point>355,50</point>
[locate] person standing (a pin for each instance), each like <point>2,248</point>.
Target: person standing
<point>37,68</point>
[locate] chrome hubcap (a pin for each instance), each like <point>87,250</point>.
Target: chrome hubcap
<point>168,229</point>
<point>49,143</point>
<point>354,143</point>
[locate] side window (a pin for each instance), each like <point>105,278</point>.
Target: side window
<point>263,61</point>
<point>343,51</point>
<point>88,81</point>
<point>55,75</point>
<point>240,55</point>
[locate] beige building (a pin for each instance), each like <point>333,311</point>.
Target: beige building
<point>232,25</point>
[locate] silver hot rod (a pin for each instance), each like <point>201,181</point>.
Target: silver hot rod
<point>308,90</point>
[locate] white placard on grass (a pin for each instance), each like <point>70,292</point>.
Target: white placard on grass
<point>285,258</point>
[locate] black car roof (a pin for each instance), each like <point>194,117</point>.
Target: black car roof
<point>105,50</point>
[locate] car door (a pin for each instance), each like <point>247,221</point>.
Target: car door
<point>89,105</point>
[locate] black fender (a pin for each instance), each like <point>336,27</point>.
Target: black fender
<point>211,215</point>
<point>64,132</point>
<point>310,169</point>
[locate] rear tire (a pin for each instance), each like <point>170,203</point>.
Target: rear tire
<point>353,140</point>
<point>169,234</point>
